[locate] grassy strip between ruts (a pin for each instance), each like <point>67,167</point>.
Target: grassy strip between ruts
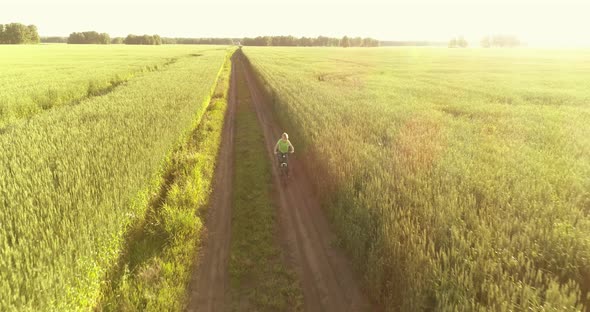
<point>155,268</point>
<point>259,279</point>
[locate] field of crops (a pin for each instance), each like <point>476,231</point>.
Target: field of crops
<point>159,256</point>
<point>455,179</point>
<point>72,178</point>
<point>33,79</point>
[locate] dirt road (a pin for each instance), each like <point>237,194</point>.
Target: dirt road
<point>327,279</point>
<point>210,281</point>
<point>326,276</point>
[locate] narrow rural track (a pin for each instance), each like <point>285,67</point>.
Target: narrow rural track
<point>210,281</point>
<point>326,276</point>
<point>327,279</point>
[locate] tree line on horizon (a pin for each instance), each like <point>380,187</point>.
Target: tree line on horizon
<point>93,37</point>
<point>89,37</point>
<point>16,33</point>
<point>219,41</point>
<point>145,40</point>
<point>458,43</point>
<point>131,39</point>
<point>500,41</point>
<point>496,41</point>
<point>410,43</point>
<point>321,41</point>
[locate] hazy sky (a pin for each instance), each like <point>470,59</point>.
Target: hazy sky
<point>540,22</point>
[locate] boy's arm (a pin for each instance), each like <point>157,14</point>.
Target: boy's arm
<point>292,148</point>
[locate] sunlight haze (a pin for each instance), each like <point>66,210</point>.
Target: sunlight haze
<point>537,23</point>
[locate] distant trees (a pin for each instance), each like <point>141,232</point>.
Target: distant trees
<point>117,40</point>
<point>258,41</point>
<point>89,37</point>
<point>54,39</point>
<point>144,40</point>
<point>370,42</point>
<point>458,43</point>
<point>462,43</point>
<point>333,42</point>
<point>305,42</point>
<point>288,41</point>
<point>486,42</point>
<point>93,37</point>
<point>453,43</point>
<point>220,41</point>
<point>321,41</point>
<point>500,41</point>
<point>345,42</point>
<point>170,40</point>
<point>16,33</point>
<point>356,42</point>
<point>31,35</point>
<point>283,41</point>
<point>413,43</point>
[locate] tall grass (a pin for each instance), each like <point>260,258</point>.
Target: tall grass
<point>156,265</point>
<point>456,180</point>
<point>36,78</point>
<point>73,178</point>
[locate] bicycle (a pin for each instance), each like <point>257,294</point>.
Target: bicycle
<point>284,164</point>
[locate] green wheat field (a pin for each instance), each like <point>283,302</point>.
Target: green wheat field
<point>455,179</point>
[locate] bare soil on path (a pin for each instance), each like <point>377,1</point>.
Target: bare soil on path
<point>327,278</point>
<point>326,275</point>
<point>209,284</point>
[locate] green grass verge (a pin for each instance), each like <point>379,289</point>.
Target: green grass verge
<point>155,268</point>
<point>259,279</point>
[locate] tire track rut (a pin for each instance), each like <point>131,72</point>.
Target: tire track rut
<point>327,279</point>
<point>208,286</point>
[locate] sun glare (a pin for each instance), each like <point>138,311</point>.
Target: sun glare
<point>535,23</point>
